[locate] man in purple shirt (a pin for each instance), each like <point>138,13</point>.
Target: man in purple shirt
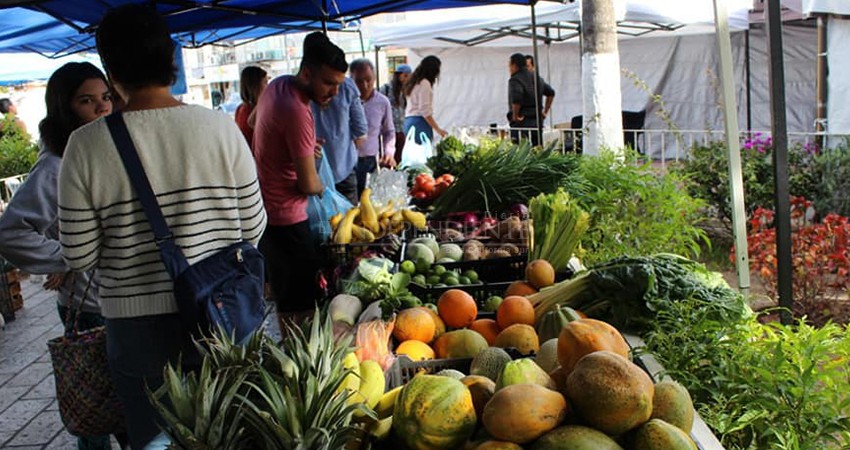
<point>380,138</point>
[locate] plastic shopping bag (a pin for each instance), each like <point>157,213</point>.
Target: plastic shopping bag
<point>321,208</point>
<point>415,155</point>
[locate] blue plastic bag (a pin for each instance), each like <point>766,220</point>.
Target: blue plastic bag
<point>320,209</point>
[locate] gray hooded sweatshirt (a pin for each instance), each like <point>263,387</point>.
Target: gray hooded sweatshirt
<point>29,232</point>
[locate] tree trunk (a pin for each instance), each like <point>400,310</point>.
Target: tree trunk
<point>600,78</point>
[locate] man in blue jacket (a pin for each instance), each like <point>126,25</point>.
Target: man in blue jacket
<point>340,128</point>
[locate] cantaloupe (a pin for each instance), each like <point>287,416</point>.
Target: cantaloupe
<point>489,363</point>
<point>547,357</point>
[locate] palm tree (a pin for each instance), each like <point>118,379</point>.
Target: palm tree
<point>600,77</point>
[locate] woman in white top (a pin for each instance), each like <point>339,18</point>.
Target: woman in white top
<point>418,90</point>
<point>205,181</point>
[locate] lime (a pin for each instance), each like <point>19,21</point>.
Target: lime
<point>419,279</point>
<point>492,303</point>
<point>422,266</point>
<point>440,285</point>
<point>439,270</point>
<point>451,281</point>
<point>431,306</point>
<point>472,275</point>
<point>433,279</point>
<point>464,280</point>
<point>408,267</point>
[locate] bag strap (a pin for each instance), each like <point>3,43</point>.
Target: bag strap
<point>172,257</point>
<point>73,329</point>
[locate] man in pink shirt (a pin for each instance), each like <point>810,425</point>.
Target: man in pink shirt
<point>286,150</point>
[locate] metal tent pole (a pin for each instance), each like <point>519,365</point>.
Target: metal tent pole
<point>362,45</point>
<point>536,61</point>
<point>377,66</point>
<point>736,182</point>
<point>748,80</point>
<point>779,131</point>
<point>821,83</point>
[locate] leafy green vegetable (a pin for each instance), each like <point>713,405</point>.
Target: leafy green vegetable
<point>629,292</point>
<point>559,224</point>
<point>495,180</point>
<point>370,281</point>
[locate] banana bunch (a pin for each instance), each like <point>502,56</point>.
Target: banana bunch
<point>366,224</point>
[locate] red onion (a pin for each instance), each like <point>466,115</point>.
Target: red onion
<point>520,210</point>
<point>470,220</point>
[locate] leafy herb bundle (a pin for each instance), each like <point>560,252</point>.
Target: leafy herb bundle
<point>558,224</point>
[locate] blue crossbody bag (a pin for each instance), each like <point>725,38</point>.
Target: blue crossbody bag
<point>223,290</point>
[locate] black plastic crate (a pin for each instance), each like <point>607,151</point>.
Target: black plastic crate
<point>480,292</point>
<point>495,269</point>
<point>403,369</point>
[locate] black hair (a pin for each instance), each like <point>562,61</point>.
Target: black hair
<point>61,120</point>
<point>529,58</point>
<point>518,59</point>
<point>5,104</point>
<point>320,51</point>
<point>249,84</point>
<point>361,63</point>
<point>397,87</point>
<point>428,69</point>
<point>135,47</point>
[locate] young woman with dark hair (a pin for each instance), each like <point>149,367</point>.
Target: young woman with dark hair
<point>419,113</point>
<point>205,181</point>
<point>252,81</point>
<point>77,94</point>
<point>394,90</point>
<point>9,112</point>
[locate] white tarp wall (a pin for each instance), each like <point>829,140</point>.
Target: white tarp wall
<point>472,89</point>
<point>838,79</point>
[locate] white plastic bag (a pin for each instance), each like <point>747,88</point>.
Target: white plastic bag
<point>415,155</point>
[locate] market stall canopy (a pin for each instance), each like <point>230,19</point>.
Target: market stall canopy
<point>818,6</point>
<point>511,25</point>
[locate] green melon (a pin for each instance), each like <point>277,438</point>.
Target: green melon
<point>524,371</point>
<point>489,363</point>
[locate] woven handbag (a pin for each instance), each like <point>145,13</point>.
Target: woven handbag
<point>88,403</point>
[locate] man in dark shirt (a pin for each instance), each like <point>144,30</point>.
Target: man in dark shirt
<point>524,115</point>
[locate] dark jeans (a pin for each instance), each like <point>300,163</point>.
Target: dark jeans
<point>86,321</point>
<point>293,265</point>
<point>421,126</point>
<point>525,129</point>
<point>138,349</point>
<point>348,187</point>
<point>365,165</point>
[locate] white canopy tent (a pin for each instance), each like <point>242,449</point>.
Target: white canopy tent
<point>677,63</point>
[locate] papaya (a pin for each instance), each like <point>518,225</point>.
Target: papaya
<point>575,437</point>
<point>672,403</point>
<point>497,445</point>
<point>521,413</point>
<point>522,371</point>
<point>459,344</point>
<point>581,337</point>
<point>433,412</point>
<point>482,390</point>
<point>660,435</point>
<point>519,336</point>
<point>610,393</point>
<point>489,362</point>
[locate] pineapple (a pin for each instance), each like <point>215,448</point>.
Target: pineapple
<point>262,396</point>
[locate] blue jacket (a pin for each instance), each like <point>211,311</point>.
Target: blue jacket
<point>29,231</point>
<point>339,123</point>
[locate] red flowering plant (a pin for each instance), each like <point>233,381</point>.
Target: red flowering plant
<point>819,252</point>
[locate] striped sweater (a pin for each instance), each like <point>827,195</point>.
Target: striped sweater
<point>205,182</point>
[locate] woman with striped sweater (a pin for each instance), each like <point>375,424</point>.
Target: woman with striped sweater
<point>205,181</point>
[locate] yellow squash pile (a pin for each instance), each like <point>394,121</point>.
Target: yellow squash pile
<point>363,224</point>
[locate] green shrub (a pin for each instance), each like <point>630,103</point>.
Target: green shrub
<point>707,172</point>
<point>636,211</point>
<point>832,193</point>
<point>756,385</point>
<point>17,153</point>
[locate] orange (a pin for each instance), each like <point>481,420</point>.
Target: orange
<point>457,308</point>
<point>438,322</point>
<point>540,273</point>
<point>487,328</point>
<point>415,350</point>
<point>520,288</point>
<point>515,309</point>
<point>414,324</point>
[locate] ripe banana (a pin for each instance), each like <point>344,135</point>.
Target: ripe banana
<point>360,234</point>
<point>335,220</point>
<point>381,429</point>
<point>386,404</point>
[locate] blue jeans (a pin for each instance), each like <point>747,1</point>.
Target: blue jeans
<point>365,165</point>
<point>138,349</point>
<point>421,126</point>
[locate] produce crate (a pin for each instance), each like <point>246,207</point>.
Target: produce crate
<point>480,292</point>
<point>700,432</point>
<point>496,269</point>
<point>404,369</point>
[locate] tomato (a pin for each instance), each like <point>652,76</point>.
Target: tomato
<point>446,177</point>
<point>420,195</point>
<point>428,186</point>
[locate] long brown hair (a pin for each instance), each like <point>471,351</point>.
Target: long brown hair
<point>249,84</point>
<point>428,69</point>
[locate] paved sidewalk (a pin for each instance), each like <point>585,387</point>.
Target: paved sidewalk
<point>29,415</point>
